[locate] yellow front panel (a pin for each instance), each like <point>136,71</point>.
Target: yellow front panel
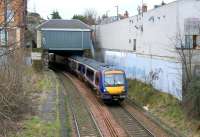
<point>115,90</point>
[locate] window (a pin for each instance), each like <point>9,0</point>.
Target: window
<point>81,68</point>
<point>196,41</point>
<point>114,80</point>
<point>97,79</point>
<point>90,74</point>
<point>3,35</point>
<point>129,41</point>
<point>10,15</point>
<point>192,41</point>
<point>73,65</point>
<point>134,44</point>
<point>188,42</point>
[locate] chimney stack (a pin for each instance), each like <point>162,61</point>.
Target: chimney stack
<point>144,8</point>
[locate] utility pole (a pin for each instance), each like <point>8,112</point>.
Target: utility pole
<point>5,22</point>
<point>117,12</point>
<point>107,13</point>
<point>142,7</point>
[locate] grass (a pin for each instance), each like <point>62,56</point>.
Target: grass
<point>164,106</point>
<point>37,50</point>
<point>44,83</point>
<point>35,127</point>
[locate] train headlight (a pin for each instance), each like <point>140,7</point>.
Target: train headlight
<point>105,90</point>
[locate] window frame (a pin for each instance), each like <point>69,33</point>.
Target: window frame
<point>3,40</point>
<point>134,44</point>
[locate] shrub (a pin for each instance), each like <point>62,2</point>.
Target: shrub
<point>14,95</point>
<point>192,98</point>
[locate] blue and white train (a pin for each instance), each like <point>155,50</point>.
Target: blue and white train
<point>110,82</point>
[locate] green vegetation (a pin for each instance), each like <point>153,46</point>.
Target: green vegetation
<point>35,127</point>
<point>55,15</point>
<point>164,106</point>
<point>37,50</point>
<point>192,98</point>
<point>43,84</point>
<point>37,66</point>
<point>79,17</point>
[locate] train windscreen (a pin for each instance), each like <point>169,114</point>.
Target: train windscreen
<point>114,79</point>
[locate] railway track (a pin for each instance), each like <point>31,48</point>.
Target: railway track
<point>105,116</point>
<point>130,124</point>
<point>83,105</point>
<point>83,120</point>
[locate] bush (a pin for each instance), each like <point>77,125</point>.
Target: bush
<point>192,98</point>
<point>37,66</point>
<point>14,95</point>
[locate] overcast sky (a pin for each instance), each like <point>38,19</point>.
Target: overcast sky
<point>68,8</point>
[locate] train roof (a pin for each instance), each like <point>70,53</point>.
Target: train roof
<point>93,63</point>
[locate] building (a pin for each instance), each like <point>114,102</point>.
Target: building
<point>12,22</point>
<point>145,45</point>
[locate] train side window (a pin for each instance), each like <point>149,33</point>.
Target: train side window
<point>90,74</point>
<point>97,79</point>
<point>79,67</point>
<point>74,65</point>
<point>83,69</point>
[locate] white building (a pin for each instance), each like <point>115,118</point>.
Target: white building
<point>143,45</point>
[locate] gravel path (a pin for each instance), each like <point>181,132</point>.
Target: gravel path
<point>63,113</point>
<point>54,106</point>
<point>48,107</point>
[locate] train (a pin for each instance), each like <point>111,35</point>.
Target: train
<point>109,81</point>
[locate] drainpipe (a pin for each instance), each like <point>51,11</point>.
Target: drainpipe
<point>5,22</point>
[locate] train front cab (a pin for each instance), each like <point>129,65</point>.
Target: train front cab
<point>114,85</point>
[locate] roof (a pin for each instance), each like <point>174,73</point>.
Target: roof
<point>64,24</point>
<point>93,63</point>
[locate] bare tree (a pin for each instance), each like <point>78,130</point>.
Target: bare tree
<point>187,48</point>
<point>187,45</point>
<point>13,92</point>
<point>91,16</point>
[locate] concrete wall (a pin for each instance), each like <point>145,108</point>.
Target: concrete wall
<point>155,34</point>
<point>167,74</point>
<point>39,39</point>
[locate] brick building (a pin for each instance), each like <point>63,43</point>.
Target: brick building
<point>12,22</point>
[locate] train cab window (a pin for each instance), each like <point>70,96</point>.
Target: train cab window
<point>90,74</point>
<point>97,79</point>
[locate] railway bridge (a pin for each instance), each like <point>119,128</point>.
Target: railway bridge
<point>62,38</point>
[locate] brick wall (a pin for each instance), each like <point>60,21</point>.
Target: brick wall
<point>17,11</point>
